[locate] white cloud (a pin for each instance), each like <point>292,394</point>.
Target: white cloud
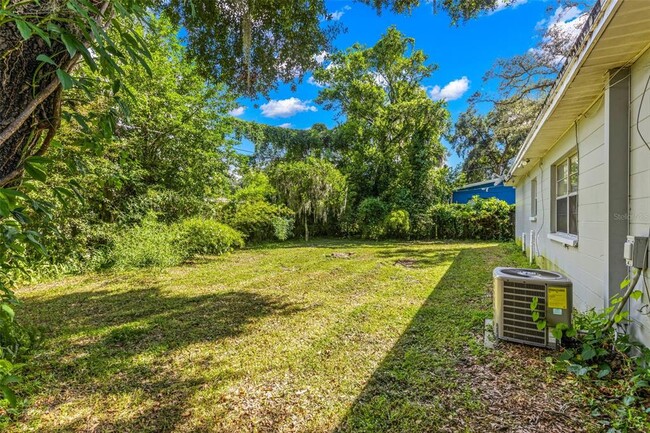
<point>237,111</point>
<point>560,31</point>
<point>285,125</point>
<point>568,21</point>
<point>320,58</point>
<point>451,91</point>
<point>285,107</point>
<point>311,80</point>
<point>562,16</point>
<point>504,4</point>
<point>336,15</point>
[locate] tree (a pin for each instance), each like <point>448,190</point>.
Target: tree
<point>392,129</point>
<point>249,45</point>
<point>273,143</point>
<point>532,75</point>
<point>487,143</point>
<point>41,42</point>
<point>168,155</point>
<point>314,189</point>
<point>170,141</point>
<point>458,10</point>
<point>245,44</point>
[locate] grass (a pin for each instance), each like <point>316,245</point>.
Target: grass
<point>290,338</point>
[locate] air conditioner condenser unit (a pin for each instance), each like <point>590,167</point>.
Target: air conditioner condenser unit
<point>514,291</point>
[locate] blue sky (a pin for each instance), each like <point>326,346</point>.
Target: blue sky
<point>463,54</point>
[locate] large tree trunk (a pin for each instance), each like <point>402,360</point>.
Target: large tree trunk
<point>30,101</point>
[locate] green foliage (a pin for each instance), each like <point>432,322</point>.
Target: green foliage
<point>397,224</point>
<point>155,244</point>
<point>145,133</point>
<point>393,128</point>
<point>149,244</point>
<point>250,210</point>
<point>198,236</point>
<point>255,186</point>
<point>16,344</point>
<point>274,143</point>
<point>20,207</point>
<point>489,142</point>
<point>349,223</point>
<point>80,30</point>
<point>479,219</point>
<point>257,44</point>
<point>314,189</point>
<point>255,219</point>
<point>422,225</point>
<point>371,215</point>
<point>168,154</point>
<point>8,378</point>
<point>283,227</point>
<point>596,351</point>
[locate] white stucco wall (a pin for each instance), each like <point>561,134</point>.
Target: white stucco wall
<point>583,264</point>
<point>639,218</point>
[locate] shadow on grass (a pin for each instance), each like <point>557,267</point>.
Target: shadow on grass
<point>415,387</point>
<point>417,257</point>
<point>328,243</point>
<point>112,344</point>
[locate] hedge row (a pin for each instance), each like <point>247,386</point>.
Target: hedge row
<point>480,219</point>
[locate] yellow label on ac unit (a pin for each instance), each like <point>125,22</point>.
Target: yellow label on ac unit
<point>557,297</point>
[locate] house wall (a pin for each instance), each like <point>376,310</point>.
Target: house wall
<point>584,263</point>
<point>639,217</point>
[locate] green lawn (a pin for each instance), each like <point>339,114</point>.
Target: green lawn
<point>289,338</point>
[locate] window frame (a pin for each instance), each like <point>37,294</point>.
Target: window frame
<point>566,188</point>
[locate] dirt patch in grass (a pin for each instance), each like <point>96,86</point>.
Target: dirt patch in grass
<point>406,263</point>
<point>341,255</point>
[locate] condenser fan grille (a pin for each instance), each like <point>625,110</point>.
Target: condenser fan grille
<point>518,324</point>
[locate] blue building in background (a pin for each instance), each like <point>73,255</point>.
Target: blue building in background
<point>486,189</point>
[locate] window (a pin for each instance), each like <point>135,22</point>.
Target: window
<point>566,196</point>
<point>533,197</point>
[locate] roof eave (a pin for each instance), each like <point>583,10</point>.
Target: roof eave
<point>518,168</point>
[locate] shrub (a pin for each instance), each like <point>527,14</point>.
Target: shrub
<point>168,205</point>
<point>255,219</point>
<point>490,219</point>
<point>370,215</point>
<point>206,236</point>
<point>421,226</point>
<point>283,227</point>
<point>397,223</point>
<point>150,244</point>
<point>349,223</point>
<point>597,349</point>
<point>484,219</point>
